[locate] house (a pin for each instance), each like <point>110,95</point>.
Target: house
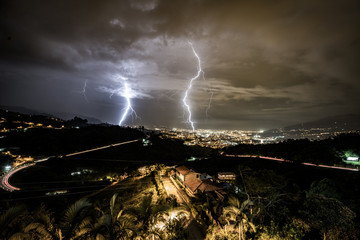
<point>205,186</point>
<point>196,182</point>
<point>192,185</point>
<point>180,173</point>
<point>226,176</point>
<point>183,174</point>
<point>208,186</point>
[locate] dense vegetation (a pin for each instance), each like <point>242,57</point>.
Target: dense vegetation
<point>272,200</point>
<point>133,208</point>
<point>260,204</point>
<point>281,201</point>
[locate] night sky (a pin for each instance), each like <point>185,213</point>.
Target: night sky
<point>266,63</point>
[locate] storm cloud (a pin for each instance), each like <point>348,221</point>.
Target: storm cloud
<point>267,63</point>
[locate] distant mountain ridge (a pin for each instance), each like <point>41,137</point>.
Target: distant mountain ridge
<point>61,115</point>
<point>346,122</point>
<point>25,110</point>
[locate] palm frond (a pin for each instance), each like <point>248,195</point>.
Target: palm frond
<point>74,216</point>
<point>18,236</point>
<point>252,226</point>
<point>233,201</point>
<point>9,216</point>
<point>100,237</point>
<point>112,204</point>
<point>74,210</point>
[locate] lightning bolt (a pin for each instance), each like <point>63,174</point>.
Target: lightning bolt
<point>127,95</point>
<point>112,93</point>
<point>83,92</point>
<point>211,93</point>
<point>185,99</point>
<point>209,104</point>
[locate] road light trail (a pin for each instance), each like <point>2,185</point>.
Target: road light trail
<point>6,177</point>
<point>284,160</point>
<point>99,148</point>
<point>5,184</point>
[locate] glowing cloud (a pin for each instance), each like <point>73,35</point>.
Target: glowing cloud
<point>126,92</point>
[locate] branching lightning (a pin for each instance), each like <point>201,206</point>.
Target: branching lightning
<point>112,93</point>
<point>83,92</point>
<point>127,95</point>
<point>209,104</point>
<point>127,92</point>
<point>185,102</point>
<point>211,92</point>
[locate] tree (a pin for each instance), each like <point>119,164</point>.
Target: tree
<point>240,216</point>
<point>325,187</point>
<point>76,218</point>
<point>42,227</point>
<point>114,225</point>
<point>293,229</point>
<point>170,224</point>
<point>8,221</point>
<point>331,217</point>
<point>216,232</point>
<point>145,211</point>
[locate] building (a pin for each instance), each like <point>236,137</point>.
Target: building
<point>226,176</point>
<point>184,174</point>
<point>195,182</point>
<point>356,159</point>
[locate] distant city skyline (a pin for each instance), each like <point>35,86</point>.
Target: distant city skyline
<point>266,64</point>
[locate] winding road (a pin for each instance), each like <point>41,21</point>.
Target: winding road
<point>5,184</point>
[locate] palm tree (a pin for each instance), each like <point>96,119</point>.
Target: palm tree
<point>170,223</point>
<point>42,227</point>
<point>145,214</point>
<point>73,224</point>
<point>238,214</point>
<point>116,225</point>
<point>8,220</point>
<point>145,211</point>
<point>76,219</point>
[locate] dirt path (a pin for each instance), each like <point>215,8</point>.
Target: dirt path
<point>193,227</point>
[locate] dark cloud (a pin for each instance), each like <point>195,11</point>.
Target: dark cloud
<point>267,62</point>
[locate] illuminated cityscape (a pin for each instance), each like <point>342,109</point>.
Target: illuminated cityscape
<point>225,138</point>
<point>175,120</point>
